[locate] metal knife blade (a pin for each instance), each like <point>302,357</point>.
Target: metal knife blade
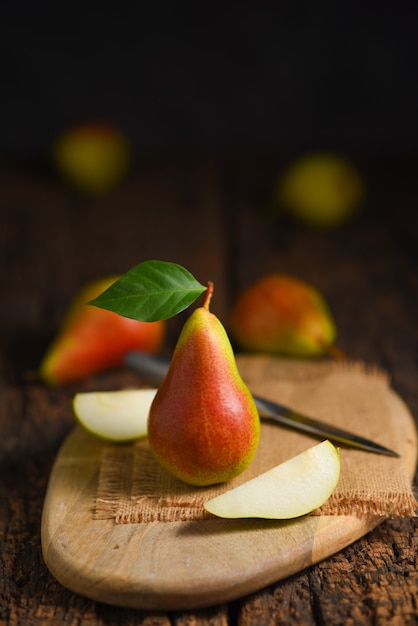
<point>155,368</point>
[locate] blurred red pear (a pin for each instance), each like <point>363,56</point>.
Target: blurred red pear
<point>280,314</point>
<point>92,339</point>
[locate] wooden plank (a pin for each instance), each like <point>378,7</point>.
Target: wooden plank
<point>183,565</point>
<point>46,234</point>
<point>379,569</point>
<point>169,210</point>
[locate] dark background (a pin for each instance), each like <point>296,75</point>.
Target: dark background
<point>278,76</point>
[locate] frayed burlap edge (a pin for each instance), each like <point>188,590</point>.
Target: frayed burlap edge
<point>133,488</point>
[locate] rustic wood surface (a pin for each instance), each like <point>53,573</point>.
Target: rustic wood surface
<point>210,215</point>
<point>211,560</point>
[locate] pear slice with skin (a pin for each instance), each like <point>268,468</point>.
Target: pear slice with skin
<point>114,415</point>
<point>291,489</point>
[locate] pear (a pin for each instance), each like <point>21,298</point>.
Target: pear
<point>94,157</point>
<point>280,314</point>
<point>203,424</point>
<point>292,489</point>
<point>120,415</point>
<point>320,190</point>
<point>91,340</point>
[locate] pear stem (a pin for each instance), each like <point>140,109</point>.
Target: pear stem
<point>335,352</point>
<point>208,295</point>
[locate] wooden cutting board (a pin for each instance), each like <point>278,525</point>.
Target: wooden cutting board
<point>179,565</point>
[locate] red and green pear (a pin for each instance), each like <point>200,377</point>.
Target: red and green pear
<point>280,314</point>
<point>91,340</point>
<point>203,425</point>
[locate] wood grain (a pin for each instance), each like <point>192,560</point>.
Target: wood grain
<point>179,565</point>
<point>213,217</point>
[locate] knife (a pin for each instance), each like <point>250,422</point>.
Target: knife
<point>155,368</point>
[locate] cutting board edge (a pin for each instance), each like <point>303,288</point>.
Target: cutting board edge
<point>97,588</point>
<point>203,595</point>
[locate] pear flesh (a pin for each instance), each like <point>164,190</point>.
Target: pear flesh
<point>114,415</point>
<point>203,425</point>
<point>292,489</point>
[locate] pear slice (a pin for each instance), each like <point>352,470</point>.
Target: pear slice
<point>114,415</point>
<point>291,489</point>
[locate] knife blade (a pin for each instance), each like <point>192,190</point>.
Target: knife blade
<point>155,367</point>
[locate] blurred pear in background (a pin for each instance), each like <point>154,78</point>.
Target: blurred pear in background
<point>92,157</point>
<point>320,190</point>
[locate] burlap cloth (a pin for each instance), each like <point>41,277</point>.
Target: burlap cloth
<point>132,487</point>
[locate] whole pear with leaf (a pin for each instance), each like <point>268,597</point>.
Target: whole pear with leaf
<point>203,425</point>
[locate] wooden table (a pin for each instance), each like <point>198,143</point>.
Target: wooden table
<point>209,214</point>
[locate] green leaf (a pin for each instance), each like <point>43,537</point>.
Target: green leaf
<point>150,291</point>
